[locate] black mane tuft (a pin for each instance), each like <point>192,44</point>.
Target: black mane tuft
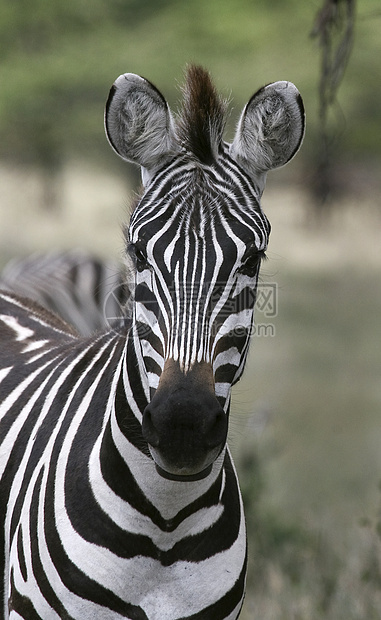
<point>202,119</point>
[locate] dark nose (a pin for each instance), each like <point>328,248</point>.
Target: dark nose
<point>184,424</point>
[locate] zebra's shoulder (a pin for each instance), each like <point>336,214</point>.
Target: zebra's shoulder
<point>23,320</point>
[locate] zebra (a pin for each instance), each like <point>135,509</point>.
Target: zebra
<point>119,495</point>
<point>87,292</point>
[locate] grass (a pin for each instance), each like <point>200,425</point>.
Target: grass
<point>307,439</point>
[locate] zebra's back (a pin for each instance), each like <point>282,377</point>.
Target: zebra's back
<point>87,292</point>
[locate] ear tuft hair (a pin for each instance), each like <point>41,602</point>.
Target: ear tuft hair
<point>201,123</point>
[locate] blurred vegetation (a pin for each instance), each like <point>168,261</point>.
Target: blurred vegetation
<point>58,60</point>
<point>307,448</point>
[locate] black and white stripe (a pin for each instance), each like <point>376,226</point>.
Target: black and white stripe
<point>119,495</point>
<point>87,292</point>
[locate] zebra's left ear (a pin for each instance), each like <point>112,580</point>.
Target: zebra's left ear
<point>270,130</point>
<point>139,124</point>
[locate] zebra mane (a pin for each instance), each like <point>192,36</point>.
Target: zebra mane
<point>201,122</point>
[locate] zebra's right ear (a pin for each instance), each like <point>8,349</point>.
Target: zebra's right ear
<point>139,124</point>
<point>270,130</point>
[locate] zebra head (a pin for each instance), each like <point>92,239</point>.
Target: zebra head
<point>197,236</point>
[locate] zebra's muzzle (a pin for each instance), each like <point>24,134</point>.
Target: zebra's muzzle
<point>184,424</point>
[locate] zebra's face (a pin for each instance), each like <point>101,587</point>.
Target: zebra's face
<point>196,237</point>
<point>197,267</point>
<point>197,249</point>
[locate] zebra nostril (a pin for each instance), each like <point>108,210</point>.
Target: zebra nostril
<point>150,433</point>
<point>216,434</point>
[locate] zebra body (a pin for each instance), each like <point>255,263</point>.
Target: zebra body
<point>85,291</point>
<point>144,543</point>
<point>120,496</point>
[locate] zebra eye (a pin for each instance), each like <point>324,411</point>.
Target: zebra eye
<point>250,266</point>
<point>139,255</point>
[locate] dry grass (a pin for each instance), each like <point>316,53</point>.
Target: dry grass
<point>309,410</point>
<point>307,437</point>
